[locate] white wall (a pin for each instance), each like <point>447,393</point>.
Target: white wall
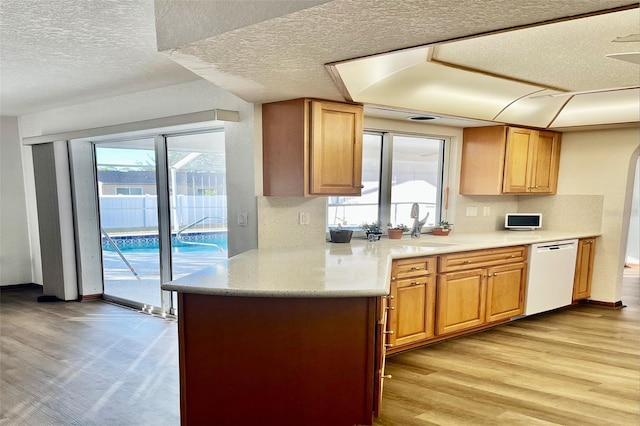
<point>633,243</point>
<point>598,162</point>
<point>15,251</point>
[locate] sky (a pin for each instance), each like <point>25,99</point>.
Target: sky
<point>124,157</point>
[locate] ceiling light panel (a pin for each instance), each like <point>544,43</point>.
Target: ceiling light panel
<point>537,111</point>
<point>360,74</point>
<point>450,91</point>
<point>600,108</point>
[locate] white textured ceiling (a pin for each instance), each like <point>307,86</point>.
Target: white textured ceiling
<point>569,55</point>
<point>281,57</point>
<point>56,53</point>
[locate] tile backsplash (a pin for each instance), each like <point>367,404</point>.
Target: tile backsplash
<point>278,217</point>
<point>278,221</point>
<point>566,212</point>
<point>498,206</point>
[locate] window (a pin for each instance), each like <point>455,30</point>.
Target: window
<point>398,170</point>
<point>350,212</point>
<point>128,191</point>
<point>416,177</point>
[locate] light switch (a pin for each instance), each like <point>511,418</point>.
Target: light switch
<point>472,211</point>
<point>243,219</point>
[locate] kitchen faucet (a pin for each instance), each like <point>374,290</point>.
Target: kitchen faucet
<point>417,223</point>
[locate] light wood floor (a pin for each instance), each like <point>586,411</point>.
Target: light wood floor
<point>93,363</point>
<point>99,364</point>
<point>578,366</point>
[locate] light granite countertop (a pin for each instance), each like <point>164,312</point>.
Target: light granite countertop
<point>356,269</point>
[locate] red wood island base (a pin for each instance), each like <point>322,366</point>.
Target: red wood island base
<point>276,361</point>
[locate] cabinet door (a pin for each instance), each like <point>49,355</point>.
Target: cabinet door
<point>335,149</point>
<point>516,168</point>
<point>544,163</point>
<point>381,352</point>
<point>505,291</point>
<point>461,300</point>
<point>584,269</point>
<point>412,316</point>
<point>482,166</point>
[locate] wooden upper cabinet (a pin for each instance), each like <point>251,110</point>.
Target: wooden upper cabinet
<point>312,147</point>
<point>509,160</point>
<point>517,160</point>
<point>546,160</point>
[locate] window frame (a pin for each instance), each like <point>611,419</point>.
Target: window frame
<point>385,182</point>
<point>128,188</point>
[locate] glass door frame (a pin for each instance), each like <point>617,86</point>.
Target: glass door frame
<point>164,222</point>
<point>164,212</point>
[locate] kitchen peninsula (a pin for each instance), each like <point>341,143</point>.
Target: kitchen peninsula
<point>295,335</point>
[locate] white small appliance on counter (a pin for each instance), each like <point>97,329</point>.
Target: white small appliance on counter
<point>523,221</point>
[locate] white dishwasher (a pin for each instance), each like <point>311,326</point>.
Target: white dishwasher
<point>550,275</point>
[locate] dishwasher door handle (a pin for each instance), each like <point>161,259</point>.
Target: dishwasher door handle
<point>555,247</point>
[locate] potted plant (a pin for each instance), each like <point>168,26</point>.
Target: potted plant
<point>443,228</point>
<point>373,230</point>
<point>395,232</point>
<point>340,235</point>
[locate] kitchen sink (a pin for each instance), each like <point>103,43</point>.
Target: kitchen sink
<point>424,242</point>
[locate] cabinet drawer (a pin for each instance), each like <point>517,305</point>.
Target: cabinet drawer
<point>412,267</point>
<point>481,258</point>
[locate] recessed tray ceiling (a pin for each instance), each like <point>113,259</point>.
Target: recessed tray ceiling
<point>510,77</point>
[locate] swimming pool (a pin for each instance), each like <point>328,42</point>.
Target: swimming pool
<point>136,274</point>
<point>186,242</point>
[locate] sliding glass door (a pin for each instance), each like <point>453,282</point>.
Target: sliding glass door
<point>127,194</point>
<point>197,200</point>
<point>163,213</point>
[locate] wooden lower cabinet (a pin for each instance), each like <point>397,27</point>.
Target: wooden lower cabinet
<point>412,316</point>
<point>584,269</point>
<point>479,287</point>
<point>461,300</point>
<point>505,291</point>
<point>285,361</point>
<point>382,336</point>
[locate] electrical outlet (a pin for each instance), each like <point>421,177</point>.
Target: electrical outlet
<point>472,211</point>
<point>304,218</point>
<point>486,211</point>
